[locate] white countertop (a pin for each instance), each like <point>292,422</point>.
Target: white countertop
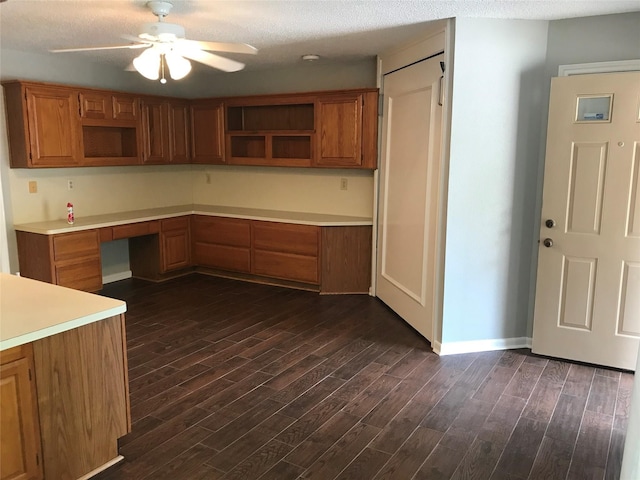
<point>31,310</point>
<point>98,221</point>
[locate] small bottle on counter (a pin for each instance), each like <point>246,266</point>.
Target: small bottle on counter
<point>70,217</point>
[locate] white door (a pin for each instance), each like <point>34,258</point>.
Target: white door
<point>409,175</point>
<point>588,286</point>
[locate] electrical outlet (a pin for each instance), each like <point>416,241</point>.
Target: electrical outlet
<point>208,178</point>
<point>344,183</point>
<point>33,186</point>
<point>69,184</point>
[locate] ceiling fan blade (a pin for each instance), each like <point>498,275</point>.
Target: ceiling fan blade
<point>210,59</point>
<point>86,49</point>
<point>135,39</point>
<point>218,47</point>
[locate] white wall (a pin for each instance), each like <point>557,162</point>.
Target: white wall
<point>495,131</point>
<point>297,189</point>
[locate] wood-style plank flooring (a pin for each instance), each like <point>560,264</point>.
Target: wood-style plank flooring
<point>236,380</point>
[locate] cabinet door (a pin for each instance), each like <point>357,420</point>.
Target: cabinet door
<point>124,107</point>
<point>54,127</point>
<point>20,433</point>
<point>339,131</point>
<point>95,105</point>
<point>207,133</point>
<point>155,132</point>
<point>179,133</point>
<point>175,243</point>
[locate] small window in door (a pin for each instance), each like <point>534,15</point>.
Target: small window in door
<point>594,108</point>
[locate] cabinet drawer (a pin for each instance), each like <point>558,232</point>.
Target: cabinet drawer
<point>85,275</point>
<point>286,266</point>
<point>284,237</point>
<point>222,231</point>
<point>75,245</point>
<point>135,229</point>
<point>178,223</point>
<point>224,257</point>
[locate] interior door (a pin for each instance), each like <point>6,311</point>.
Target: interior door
<point>409,174</point>
<point>588,286</point>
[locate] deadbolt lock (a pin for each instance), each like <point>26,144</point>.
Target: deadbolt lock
<point>550,223</point>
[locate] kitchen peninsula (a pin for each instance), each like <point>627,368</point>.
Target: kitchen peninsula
<point>65,395</point>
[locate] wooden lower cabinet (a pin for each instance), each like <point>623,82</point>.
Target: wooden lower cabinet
<point>20,454</point>
<point>68,259</point>
<point>334,259</point>
<point>286,251</point>
<point>327,259</point>
<point>65,403</point>
<point>83,397</point>
<point>175,243</point>
<point>222,243</point>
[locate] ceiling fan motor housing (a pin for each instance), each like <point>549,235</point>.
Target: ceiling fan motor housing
<point>159,8</point>
<point>161,31</point>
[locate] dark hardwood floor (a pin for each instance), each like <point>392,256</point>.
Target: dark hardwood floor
<point>236,380</point>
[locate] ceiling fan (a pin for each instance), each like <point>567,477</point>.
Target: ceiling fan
<point>165,45</point>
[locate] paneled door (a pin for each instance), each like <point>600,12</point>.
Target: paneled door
<point>588,286</point>
<point>409,176</point>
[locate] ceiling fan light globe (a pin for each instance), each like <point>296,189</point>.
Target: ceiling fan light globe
<point>179,67</point>
<point>148,64</point>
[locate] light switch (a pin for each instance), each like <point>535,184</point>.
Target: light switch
<point>33,186</point>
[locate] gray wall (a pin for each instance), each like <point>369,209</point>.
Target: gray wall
<point>495,128</point>
<point>202,82</point>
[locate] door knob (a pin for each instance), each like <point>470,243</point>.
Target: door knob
<point>547,242</point>
<point>550,223</point>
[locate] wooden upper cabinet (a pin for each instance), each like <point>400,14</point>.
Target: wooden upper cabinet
<point>165,131</point>
<point>20,455</point>
<point>59,126</point>
<point>207,132</point>
<point>179,132</point>
<point>43,126</point>
<point>155,131</point>
<point>346,129</point>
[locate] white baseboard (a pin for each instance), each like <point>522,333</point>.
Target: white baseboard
<point>114,277</point>
<point>453,348</point>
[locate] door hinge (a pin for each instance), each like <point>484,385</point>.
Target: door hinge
<point>30,156</point>
<point>30,375</point>
<point>79,106</point>
<point>37,459</point>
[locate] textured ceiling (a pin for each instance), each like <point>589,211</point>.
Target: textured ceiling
<point>337,30</point>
